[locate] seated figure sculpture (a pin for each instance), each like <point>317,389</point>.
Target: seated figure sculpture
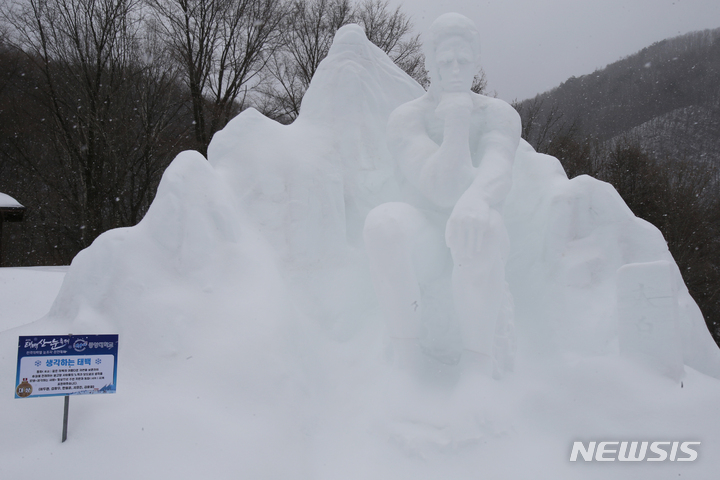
<point>454,151</point>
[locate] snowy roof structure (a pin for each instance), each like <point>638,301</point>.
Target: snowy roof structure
<point>10,209</point>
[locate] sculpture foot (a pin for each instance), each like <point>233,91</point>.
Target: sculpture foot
<point>407,354</point>
<point>478,363</point>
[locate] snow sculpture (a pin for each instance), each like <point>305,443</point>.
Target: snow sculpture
<point>248,275</point>
<point>454,151</point>
<point>308,186</point>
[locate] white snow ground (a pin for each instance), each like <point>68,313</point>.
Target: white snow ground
<point>175,416</point>
<point>251,346</point>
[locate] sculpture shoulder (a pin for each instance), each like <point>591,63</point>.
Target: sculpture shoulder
<point>410,113</point>
<point>499,113</point>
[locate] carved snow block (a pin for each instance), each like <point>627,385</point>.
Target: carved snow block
<point>648,317</point>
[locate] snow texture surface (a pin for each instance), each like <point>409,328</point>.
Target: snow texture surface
<point>252,345</point>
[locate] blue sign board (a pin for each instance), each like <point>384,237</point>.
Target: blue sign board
<point>59,365</point>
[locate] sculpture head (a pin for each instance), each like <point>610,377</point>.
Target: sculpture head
<point>452,55</point>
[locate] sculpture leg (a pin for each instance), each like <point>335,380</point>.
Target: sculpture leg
<point>478,291</point>
<point>392,232</point>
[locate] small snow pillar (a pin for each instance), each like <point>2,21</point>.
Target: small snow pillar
<point>648,317</point>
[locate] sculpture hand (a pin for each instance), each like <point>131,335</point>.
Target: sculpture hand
<point>466,227</point>
<point>455,106</point>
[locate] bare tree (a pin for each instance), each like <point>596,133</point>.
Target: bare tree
<point>543,123</point>
<point>480,82</point>
<point>101,140</point>
<point>392,31</point>
<point>308,33</point>
<point>221,46</point>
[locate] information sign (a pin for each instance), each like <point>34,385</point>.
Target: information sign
<point>54,365</point>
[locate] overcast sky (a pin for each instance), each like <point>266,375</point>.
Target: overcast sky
<point>530,46</point>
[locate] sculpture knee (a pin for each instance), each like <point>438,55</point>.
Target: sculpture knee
<point>488,264</point>
<point>391,226</point>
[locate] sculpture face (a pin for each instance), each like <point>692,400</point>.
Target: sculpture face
<point>454,60</point>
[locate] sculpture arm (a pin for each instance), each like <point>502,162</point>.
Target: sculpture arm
<point>440,172</point>
<point>465,230</point>
<point>496,151</point>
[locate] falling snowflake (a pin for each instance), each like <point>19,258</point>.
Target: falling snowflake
<point>98,361</point>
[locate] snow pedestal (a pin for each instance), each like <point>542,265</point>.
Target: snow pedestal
<point>648,317</point>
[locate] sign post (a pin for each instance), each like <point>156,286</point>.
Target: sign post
<point>64,365</point>
<point>65,417</point>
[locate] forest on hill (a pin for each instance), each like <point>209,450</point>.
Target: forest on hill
<point>667,76</point>
<point>649,124</point>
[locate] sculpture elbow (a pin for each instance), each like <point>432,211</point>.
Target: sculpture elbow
<point>497,191</point>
